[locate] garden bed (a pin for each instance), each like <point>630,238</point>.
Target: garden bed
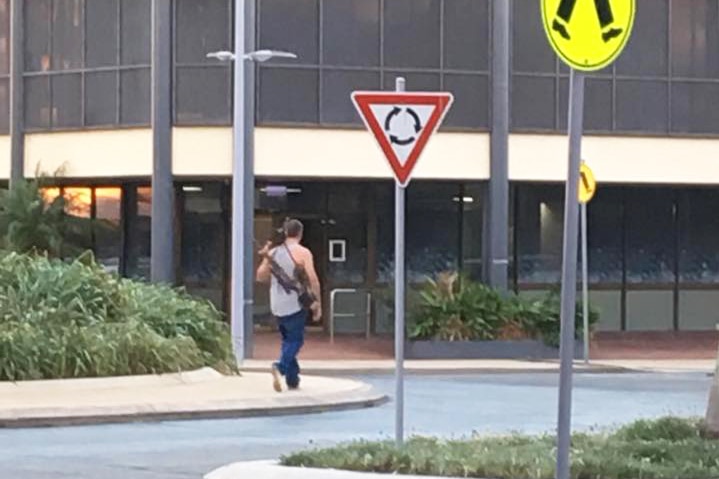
<point>666,448</point>
<point>498,349</point>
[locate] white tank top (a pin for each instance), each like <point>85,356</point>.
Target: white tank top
<point>283,303</point>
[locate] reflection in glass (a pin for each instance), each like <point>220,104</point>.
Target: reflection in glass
<point>699,233</point>
<point>540,219</point>
<point>106,228</point>
<point>650,237</point>
<point>204,241</point>
<point>139,205</point>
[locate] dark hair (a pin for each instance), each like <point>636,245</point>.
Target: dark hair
<point>293,228</point>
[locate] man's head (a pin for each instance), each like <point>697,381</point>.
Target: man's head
<point>293,229</point>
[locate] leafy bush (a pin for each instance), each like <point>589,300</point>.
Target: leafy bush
<point>73,319</point>
<point>454,308</point>
<point>678,451</point>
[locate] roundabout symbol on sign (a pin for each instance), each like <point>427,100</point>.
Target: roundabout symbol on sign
<point>388,126</point>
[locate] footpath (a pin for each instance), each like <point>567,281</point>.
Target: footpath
<point>205,393</point>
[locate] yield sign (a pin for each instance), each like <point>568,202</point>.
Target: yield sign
<point>402,123</point>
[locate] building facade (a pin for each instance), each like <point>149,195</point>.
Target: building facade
<point>82,99</point>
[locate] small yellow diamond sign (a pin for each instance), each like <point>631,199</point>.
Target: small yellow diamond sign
<point>587,184</point>
<point>588,34</point>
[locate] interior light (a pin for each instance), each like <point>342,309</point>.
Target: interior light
<point>192,189</point>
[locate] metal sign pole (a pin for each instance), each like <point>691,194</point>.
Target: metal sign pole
<point>585,284</point>
<point>399,193</point>
<point>569,273</point>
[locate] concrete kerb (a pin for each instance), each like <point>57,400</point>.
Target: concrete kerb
<point>441,367</point>
<point>166,397</point>
<point>272,470</point>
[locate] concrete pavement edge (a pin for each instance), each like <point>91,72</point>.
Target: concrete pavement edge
<point>272,470</point>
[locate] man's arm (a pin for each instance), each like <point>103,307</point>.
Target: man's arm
<point>264,272</point>
<point>309,265</point>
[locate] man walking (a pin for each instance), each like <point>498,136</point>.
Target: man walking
<point>284,266</point>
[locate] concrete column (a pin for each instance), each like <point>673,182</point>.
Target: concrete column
<point>17,106</point>
<point>163,211</point>
<point>497,232</point>
<point>248,280</point>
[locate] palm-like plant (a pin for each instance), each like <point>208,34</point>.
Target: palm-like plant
<point>30,223</point>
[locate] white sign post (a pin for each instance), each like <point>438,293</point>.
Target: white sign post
<point>402,124</point>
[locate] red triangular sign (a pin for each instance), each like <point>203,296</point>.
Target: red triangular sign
<point>402,123</point>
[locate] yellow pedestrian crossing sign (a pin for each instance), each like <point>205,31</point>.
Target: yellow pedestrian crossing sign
<point>587,184</point>
<point>588,34</point>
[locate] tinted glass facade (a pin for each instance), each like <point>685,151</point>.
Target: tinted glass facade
<point>644,243</point>
<point>87,64</point>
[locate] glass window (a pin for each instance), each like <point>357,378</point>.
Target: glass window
<point>135,31</point>
<point>78,207</point>
<point>698,232</point>
<point>37,102</point>
<point>530,50</point>
<point>4,105</point>
<point>432,230</point>
<point>694,107</point>
<point>289,95</point>
<point>135,98</point>
<point>533,102</point>
<point>646,51</point>
<point>642,106</point>
<point>204,239</point>
<point>540,225</point>
<point>202,26</point>
<point>203,95</point>
<point>472,222</point>
<point>411,33</point>
<point>106,227</point>
<point>67,34</point>
<point>38,16</point>
<point>4,36</point>
<point>695,38</point>
<point>650,237</point>
<point>290,25</point>
<point>101,98</point>
<point>101,24</point>
<point>139,206</point>
<point>466,34</point>
<point>347,220</point>
<point>597,104</point>
<point>471,100</point>
<point>604,236</point>
<point>384,201</point>
<point>66,101</point>
<point>350,32</point>
<point>337,86</point>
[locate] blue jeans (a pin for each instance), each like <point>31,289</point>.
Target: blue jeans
<point>292,329</point>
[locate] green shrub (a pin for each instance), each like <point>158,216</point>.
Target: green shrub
<point>457,309</point>
<point>540,318</point>
<point>454,308</point>
<point>678,451</point>
<point>73,319</point>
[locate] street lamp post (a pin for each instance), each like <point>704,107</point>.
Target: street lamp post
<point>243,181</point>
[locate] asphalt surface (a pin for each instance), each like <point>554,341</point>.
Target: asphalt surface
<point>442,405</point>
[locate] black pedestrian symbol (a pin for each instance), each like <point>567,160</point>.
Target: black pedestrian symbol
<point>604,13</point>
<point>388,126</point>
<point>585,181</point>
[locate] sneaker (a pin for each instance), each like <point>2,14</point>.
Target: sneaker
<point>611,33</point>
<point>561,29</point>
<point>276,379</point>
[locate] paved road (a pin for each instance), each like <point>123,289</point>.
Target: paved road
<point>439,405</point>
